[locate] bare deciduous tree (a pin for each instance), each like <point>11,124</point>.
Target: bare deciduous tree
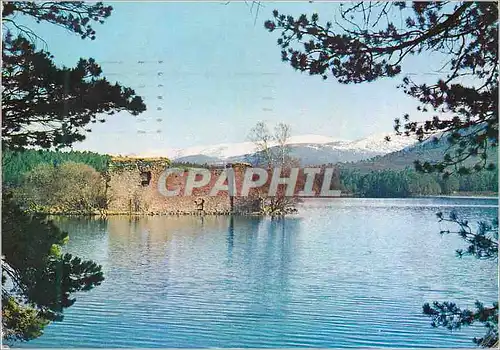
<point>273,151</point>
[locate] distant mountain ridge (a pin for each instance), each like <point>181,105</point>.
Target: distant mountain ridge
<point>426,150</point>
<point>309,149</point>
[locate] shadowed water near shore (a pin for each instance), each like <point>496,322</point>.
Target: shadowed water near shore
<point>342,273</point>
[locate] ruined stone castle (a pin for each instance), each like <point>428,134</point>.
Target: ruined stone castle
<point>132,187</point>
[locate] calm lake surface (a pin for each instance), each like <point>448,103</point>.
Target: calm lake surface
<point>342,273</point>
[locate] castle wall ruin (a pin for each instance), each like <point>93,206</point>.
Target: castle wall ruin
<point>132,187</point>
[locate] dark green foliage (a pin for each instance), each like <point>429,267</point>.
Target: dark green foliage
<point>479,182</point>
<point>370,41</point>
<point>21,322</point>
<point>449,315</point>
<point>188,165</point>
<point>36,276</point>
<point>482,244</point>
<point>47,106</point>
<point>17,163</point>
<point>451,184</point>
<point>38,93</point>
<point>406,183</point>
<point>75,16</point>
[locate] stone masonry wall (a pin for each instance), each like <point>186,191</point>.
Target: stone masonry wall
<point>128,194</point>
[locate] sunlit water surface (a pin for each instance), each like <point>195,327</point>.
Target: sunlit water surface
<point>343,273</point>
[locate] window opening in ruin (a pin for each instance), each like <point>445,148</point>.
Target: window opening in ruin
<point>145,178</point>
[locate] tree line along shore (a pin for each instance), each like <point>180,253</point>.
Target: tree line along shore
<point>80,188</point>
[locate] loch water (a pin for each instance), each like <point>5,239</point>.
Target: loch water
<point>341,273</point>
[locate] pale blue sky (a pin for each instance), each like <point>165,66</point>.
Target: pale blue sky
<point>221,73</point>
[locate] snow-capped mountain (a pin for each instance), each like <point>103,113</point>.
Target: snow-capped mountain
<point>379,144</point>
<point>310,149</point>
<point>229,150</point>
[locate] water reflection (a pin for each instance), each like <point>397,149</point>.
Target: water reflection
<point>325,279</point>
<point>184,256</point>
<point>230,240</point>
<point>83,230</point>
